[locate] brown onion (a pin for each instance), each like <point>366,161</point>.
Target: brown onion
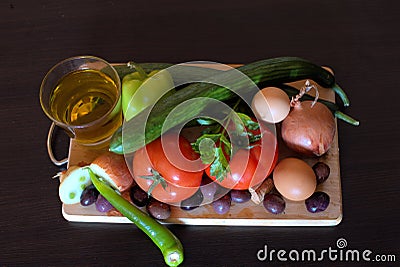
<point>309,128</point>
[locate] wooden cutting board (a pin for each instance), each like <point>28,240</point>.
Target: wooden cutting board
<point>244,214</point>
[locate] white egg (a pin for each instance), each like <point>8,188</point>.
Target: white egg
<point>271,104</point>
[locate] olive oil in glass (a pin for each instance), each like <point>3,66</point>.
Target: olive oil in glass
<point>86,101</point>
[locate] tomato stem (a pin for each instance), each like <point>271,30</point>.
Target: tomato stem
<point>157,179</point>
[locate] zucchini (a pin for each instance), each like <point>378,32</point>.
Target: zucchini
<point>269,71</point>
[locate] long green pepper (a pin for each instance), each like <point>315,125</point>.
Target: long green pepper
<point>166,241</point>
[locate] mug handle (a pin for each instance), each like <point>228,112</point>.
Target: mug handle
<point>50,149</point>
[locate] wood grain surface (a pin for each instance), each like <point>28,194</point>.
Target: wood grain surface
<point>358,39</point>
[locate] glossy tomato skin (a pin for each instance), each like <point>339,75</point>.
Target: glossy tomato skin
<point>173,157</point>
<point>250,167</point>
<point>240,174</point>
<point>180,184</point>
<point>265,151</point>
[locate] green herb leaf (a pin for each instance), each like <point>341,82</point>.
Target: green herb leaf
<point>250,125</point>
<point>227,145</point>
<point>254,137</point>
<point>205,122</point>
<point>248,122</point>
<point>220,166</point>
<point>207,150</point>
<point>215,156</point>
<point>212,136</point>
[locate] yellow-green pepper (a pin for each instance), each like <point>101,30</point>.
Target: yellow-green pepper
<point>140,90</point>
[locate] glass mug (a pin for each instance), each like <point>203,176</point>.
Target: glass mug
<point>82,95</point>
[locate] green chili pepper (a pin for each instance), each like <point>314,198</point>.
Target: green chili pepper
<point>140,90</point>
<point>167,242</point>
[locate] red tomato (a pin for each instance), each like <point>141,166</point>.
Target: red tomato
<point>181,183</point>
<point>173,157</point>
<point>265,152</point>
<point>249,168</point>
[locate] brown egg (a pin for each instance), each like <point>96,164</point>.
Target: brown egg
<point>294,179</point>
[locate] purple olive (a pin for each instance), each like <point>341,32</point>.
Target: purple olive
<point>274,203</point>
<point>192,202</point>
<point>158,210</point>
<point>208,189</point>
<point>240,196</point>
<point>103,205</point>
<point>89,195</point>
<point>222,205</point>
<point>321,171</point>
<point>138,196</point>
<point>317,202</point>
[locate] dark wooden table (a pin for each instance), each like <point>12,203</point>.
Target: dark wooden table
<point>359,39</point>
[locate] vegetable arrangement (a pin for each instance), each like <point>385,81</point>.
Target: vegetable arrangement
<point>234,160</point>
<point>267,72</point>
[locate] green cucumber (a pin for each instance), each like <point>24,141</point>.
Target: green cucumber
<point>124,69</point>
<point>270,71</point>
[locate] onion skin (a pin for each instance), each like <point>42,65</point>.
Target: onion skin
<point>309,130</point>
